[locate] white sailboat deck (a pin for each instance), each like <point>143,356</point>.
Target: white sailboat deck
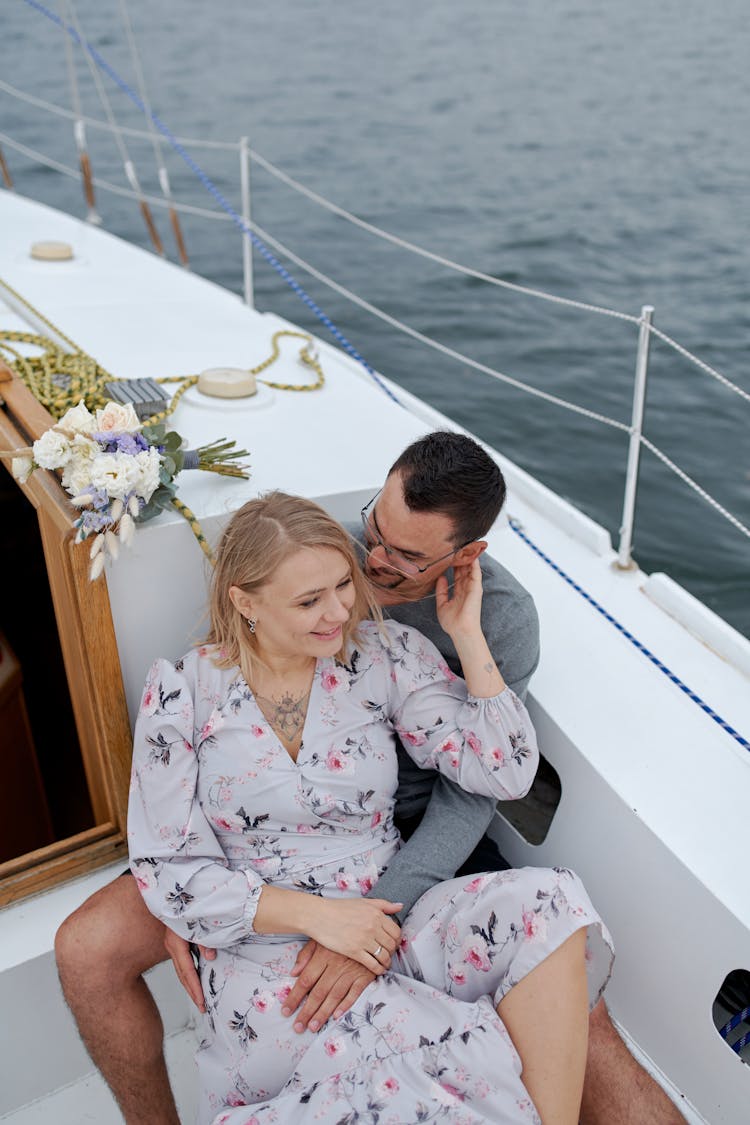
<point>654,789</point>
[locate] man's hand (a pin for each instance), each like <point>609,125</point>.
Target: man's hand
<point>330,981</point>
<point>182,959</point>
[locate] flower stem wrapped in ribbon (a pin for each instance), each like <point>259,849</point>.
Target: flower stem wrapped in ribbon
<point>119,472</point>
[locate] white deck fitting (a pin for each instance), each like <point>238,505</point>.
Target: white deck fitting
<point>653,789</point>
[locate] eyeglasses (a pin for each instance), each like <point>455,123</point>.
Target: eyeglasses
<point>396,560</point>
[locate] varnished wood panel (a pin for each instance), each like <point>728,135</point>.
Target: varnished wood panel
<point>92,667</point>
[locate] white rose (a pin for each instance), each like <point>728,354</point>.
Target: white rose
<point>117,417</point>
<point>77,473</point>
<point>78,419</point>
<point>52,450</point>
<point>149,463</point>
<point>116,474</point>
<point>22,468</point>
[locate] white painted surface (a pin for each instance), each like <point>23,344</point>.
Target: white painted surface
<point>654,790</point>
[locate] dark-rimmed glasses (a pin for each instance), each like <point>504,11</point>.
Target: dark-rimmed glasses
<point>396,560</point>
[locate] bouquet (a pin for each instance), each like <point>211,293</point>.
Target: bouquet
<point>119,472</point>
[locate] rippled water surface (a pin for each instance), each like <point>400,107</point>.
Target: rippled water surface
<point>591,149</point>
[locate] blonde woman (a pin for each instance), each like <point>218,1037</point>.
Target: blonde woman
<point>261,814</point>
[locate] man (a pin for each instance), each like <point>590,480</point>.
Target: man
<point>441,495</point>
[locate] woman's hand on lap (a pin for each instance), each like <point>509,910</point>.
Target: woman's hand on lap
<point>360,928</point>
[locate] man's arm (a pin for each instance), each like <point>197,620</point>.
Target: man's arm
<point>452,825</point>
<point>454,822</point>
<point>518,649</point>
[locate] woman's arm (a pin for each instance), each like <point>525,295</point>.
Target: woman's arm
<point>175,856</point>
<point>181,869</point>
<point>459,614</point>
<point>476,732</point>
<point>357,927</point>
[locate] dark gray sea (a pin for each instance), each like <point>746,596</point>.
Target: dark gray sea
<point>593,149</point>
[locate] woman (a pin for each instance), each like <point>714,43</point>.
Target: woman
<point>261,811</point>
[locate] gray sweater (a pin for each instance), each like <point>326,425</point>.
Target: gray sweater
<point>454,821</point>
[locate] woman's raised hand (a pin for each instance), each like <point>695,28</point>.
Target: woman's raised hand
<point>459,609</point>
<point>360,928</point>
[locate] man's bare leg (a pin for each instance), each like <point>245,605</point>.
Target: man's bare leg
<point>616,1089</point>
<point>101,950</point>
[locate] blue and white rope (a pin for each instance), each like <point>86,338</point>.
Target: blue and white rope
<point>740,1017</point>
<point>213,190</point>
<point>517,528</point>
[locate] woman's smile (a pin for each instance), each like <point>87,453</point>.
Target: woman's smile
<point>302,611</point>
<point>330,635</point>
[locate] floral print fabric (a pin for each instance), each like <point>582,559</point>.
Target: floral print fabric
<point>218,808</point>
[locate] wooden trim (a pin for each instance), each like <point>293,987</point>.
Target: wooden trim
<point>91,660</point>
<point>50,873</point>
<point>28,411</point>
<point>59,849</point>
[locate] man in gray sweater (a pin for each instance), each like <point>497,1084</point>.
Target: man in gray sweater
<point>440,497</point>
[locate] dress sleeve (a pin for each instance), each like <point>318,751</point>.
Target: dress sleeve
<point>179,866</point>
<point>487,746</point>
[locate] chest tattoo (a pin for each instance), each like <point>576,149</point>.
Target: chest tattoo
<point>286,714</point>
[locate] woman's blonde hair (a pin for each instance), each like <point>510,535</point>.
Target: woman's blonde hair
<point>260,536</point>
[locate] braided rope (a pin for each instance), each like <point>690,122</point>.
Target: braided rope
<point>60,379</point>
<point>188,381</point>
<point>213,190</point>
<point>195,527</point>
<point>736,1020</point>
<point>695,486</point>
<point>334,208</point>
<point>404,244</point>
<point>57,379</point>
<point>517,527</point>
<point>96,123</point>
<point>106,185</point>
<point>444,349</point>
<point>699,363</point>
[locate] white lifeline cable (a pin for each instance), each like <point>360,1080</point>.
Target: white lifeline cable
<point>128,164</point>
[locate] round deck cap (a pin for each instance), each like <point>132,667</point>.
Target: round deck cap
<point>52,251</point>
<point>227,382</point>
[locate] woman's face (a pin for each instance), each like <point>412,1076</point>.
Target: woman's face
<point>302,610</point>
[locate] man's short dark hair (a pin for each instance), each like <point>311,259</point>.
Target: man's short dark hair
<point>451,474</point>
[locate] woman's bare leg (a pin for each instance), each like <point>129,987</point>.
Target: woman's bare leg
<point>547,1017</point>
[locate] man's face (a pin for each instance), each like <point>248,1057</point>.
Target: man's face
<point>413,539</point>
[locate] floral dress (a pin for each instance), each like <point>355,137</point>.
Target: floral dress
<point>218,809</point>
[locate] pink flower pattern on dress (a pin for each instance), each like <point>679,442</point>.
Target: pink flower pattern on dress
<point>338,762</point>
<point>333,679</point>
<point>389,1087</point>
<point>209,831</point>
<point>150,700</point>
<point>475,954</point>
<point>474,743</point>
<point>262,1001</point>
<point>534,925</point>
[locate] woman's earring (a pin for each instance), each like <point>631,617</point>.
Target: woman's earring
<point>251,624</point>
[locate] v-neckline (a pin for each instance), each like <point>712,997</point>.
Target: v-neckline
<point>310,705</point>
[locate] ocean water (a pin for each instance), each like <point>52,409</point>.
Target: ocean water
<point>591,149</point>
